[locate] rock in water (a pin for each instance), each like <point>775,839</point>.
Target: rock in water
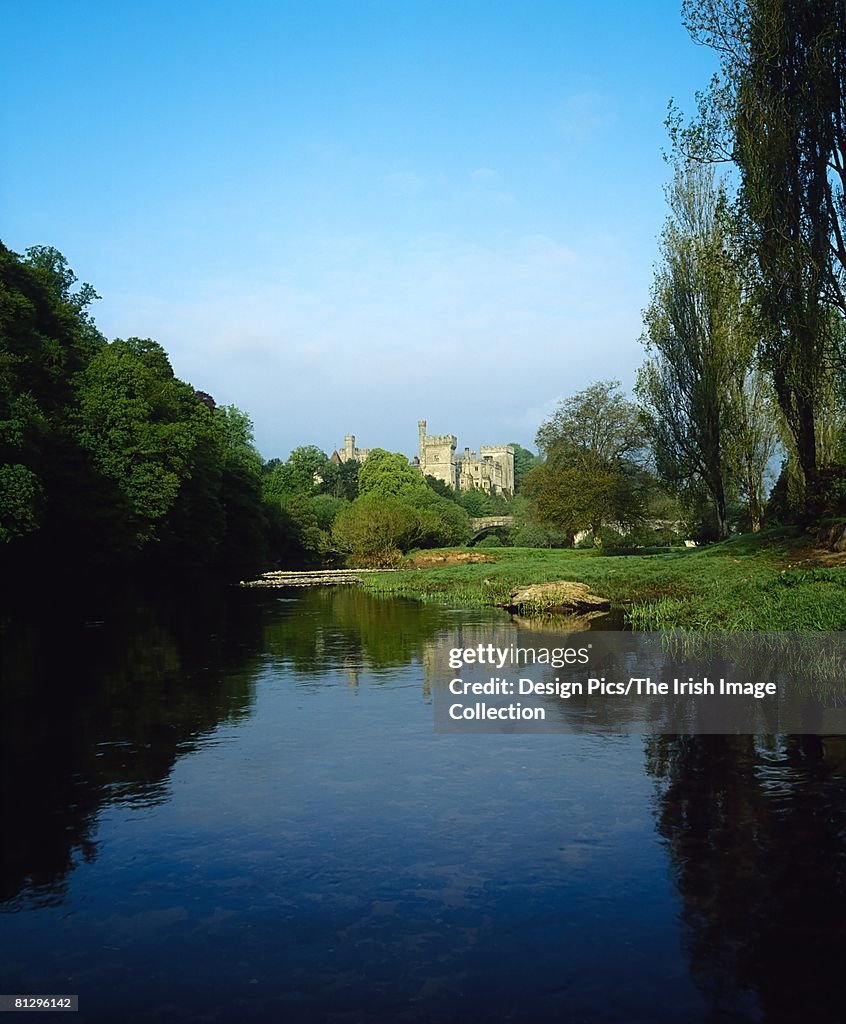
<point>558,596</point>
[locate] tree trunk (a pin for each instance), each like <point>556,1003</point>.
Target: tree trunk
<point>806,443</point>
<point>722,516</point>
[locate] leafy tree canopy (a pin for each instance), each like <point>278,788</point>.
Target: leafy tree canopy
<point>388,474</point>
<point>524,460</point>
<point>593,445</point>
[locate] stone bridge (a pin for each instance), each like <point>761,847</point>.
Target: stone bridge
<point>484,524</point>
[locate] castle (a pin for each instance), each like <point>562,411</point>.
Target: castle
<point>492,470</point>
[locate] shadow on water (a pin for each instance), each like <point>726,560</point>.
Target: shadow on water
<point>98,700</point>
<point>97,704</point>
<point>756,832</point>
<point>370,868</point>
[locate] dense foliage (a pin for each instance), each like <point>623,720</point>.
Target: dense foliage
<point>593,447</point>
<point>707,406</point>
<point>777,111</point>
<point>397,509</point>
<point>106,458</point>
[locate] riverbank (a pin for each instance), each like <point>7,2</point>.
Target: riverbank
<point>772,581</point>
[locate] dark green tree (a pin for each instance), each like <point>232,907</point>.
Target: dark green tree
<point>778,110</point>
<point>245,538</point>
<point>592,445</point>
<point>134,417</point>
<point>46,339</point>
<point>389,474</point>
<point>524,461</point>
<point>340,479</point>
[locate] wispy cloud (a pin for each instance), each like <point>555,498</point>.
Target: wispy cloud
<point>374,335</point>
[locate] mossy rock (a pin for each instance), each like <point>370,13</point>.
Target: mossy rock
<point>559,596</point>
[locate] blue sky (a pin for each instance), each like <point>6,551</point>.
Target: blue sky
<point>348,216</point>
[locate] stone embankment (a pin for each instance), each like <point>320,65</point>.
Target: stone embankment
<point>560,597</point>
<point>310,578</point>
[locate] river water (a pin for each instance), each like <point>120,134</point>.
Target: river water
<point>233,806</point>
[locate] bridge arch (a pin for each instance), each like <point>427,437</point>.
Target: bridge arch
<point>483,525</point>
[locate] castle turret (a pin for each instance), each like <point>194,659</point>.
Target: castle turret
<point>437,455</point>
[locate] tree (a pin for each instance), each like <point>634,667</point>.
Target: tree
<point>376,528</point>
<point>304,472</point>
<point>340,479</point>
<point>524,461</point>
<point>753,438</point>
<point>46,340</point>
<point>441,487</point>
<point>245,536</point>
<point>592,446</point>
<point>778,110</point>
<point>133,418</point>
<point>476,501</point>
<point>104,454</point>
<point>388,474</point>
<point>20,493</point>
<point>705,414</point>
<point>442,521</point>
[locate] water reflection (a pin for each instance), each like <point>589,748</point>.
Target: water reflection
<point>342,626</point>
<point>99,702</point>
<point>756,831</point>
<point>232,806</point>
<point>96,710</point>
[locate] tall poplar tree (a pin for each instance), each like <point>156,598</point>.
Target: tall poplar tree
<point>694,335</point>
<point>778,110</point>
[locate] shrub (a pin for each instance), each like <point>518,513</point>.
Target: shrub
<point>374,527</point>
<point>490,541</point>
<point>443,523</point>
<point>533,535</point>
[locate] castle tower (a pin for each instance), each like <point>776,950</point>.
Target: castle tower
<point>437,455</point>
<point>500,458</point>
<point>349,452</point>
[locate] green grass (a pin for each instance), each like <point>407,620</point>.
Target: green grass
<point>751,582</point>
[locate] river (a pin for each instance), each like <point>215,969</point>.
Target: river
<point>232,806</point>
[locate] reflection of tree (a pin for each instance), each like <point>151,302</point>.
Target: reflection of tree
<point>344,626</point>
<point>95,714</point>
<point>757,841</point>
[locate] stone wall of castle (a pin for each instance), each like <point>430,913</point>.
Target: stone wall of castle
<point>437,455</point>
<point>492,470</point>
<point>349,453</point>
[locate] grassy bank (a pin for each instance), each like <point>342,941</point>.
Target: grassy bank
<point>772,581</point>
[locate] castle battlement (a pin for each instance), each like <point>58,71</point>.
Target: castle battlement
<point>495,449</point>
<point>492,469</point>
